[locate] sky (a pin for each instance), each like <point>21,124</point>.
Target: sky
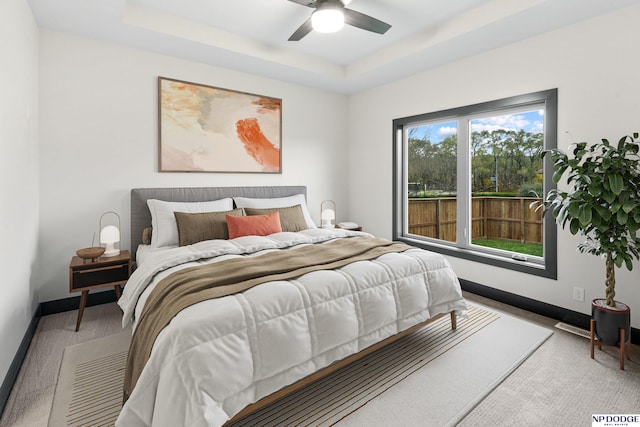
<point>531,121</point>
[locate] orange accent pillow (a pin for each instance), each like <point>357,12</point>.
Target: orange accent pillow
<point>256,225</point>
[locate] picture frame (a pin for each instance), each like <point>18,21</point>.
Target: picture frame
<point>210,129</point>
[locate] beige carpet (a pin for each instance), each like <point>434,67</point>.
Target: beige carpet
<point>433,371</point>
<point>89,387</point>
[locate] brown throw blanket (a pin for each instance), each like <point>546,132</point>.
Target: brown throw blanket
<point>195,284</point>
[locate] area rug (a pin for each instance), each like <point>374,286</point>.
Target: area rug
<point>89,387</point>
<point>433,376</point>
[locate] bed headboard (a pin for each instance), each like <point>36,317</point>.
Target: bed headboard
<point>141,217</point>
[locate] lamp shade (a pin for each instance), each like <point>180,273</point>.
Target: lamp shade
<point>110,234</point>
<point>327,20</point>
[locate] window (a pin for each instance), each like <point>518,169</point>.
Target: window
<point>465,180</point>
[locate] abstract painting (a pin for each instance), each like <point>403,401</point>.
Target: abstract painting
<point>209,129</point>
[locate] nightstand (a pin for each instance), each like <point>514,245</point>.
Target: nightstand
<point>358,228</point>
<point>104,272</point>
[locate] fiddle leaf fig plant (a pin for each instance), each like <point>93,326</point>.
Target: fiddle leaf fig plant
<point>603,202</point>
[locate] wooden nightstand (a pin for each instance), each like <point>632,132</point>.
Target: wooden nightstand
<point>358,228</point>
<point>105,272</point>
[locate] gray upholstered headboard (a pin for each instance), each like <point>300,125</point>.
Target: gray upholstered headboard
<point>141,217</point>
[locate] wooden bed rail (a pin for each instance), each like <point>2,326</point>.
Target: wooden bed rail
<point>267,400</point>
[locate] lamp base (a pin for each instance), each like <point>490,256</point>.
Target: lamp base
<point>110,251</point>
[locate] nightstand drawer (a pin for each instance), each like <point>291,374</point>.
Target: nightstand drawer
<point>100,275</point>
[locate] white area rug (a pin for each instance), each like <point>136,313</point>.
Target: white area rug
<point>89,387</point>
<point>432,377</point>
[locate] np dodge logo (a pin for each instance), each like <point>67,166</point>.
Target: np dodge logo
<point>625,420</point>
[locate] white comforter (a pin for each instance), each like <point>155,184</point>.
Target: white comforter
<point>220,355</point>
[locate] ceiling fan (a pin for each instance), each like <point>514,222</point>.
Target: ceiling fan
<point>330,15</point>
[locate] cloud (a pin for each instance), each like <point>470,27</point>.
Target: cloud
<point>446,131</point>
<point>511,122</point>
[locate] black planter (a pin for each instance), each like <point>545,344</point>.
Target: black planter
<point>609,321</point>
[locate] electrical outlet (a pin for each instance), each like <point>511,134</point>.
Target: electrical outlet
<point>578,294</point>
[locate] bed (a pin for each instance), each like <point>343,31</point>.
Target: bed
<point>225,324</point>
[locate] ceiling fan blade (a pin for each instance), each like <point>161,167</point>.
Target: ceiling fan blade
<point>309,3</point>
<point>302,31</point>
<point>365,22</point>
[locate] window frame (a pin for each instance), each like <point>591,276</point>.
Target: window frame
<point>548,267</point>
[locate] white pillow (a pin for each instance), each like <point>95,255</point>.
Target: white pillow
<point>165,230</point>
<point>279,202</point>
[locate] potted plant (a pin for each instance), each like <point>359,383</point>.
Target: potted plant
<point>603,204</point>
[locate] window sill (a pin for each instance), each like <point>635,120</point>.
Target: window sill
<point>549,270</point>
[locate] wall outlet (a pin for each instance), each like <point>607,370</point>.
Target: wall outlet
<point>578,294</point>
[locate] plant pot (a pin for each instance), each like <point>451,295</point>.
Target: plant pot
<point>609,321</point>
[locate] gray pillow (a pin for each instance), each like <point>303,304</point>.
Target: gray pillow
<point>196,227</point>
<point>291,218</point>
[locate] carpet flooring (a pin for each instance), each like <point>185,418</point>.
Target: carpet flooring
<point>558,385</point>
<point>424,373</point>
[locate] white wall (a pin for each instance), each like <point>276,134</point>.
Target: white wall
<point>99,139</point>
<point>595,70</point>
<point>19,172</point>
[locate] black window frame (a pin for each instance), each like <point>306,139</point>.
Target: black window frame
<point>549,266</point>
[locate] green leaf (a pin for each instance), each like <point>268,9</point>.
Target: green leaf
<point>574,226</point>
<point>556,210</point>
<point>622,217</point>
<point>557,174</point>
<point>618,261</point>
<point>580,147</point>
<point>628,207</point>
<point>585,215</point>
<point>622,142</point>
<point>595,189</point>
<point>603,212</point>
<point>574,210</point>
<point>608,196</point>
<point>615,207</point>
<point>616,183</point>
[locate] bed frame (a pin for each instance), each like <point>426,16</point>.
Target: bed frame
<point>141,218</point>
<point>267,400</point>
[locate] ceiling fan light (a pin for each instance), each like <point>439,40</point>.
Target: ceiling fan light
<point>327,20</point>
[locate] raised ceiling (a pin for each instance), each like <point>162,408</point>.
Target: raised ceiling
<point>251,35</point>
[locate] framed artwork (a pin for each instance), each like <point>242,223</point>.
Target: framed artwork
<point>209,129</point>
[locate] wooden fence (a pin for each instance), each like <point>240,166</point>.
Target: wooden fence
<point>507,218</point>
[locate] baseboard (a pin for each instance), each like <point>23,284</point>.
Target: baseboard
<point>72,303</point>
<point>548,310</point>
<point>43,309</point>
<point>16,364</point>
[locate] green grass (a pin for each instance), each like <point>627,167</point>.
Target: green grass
<point>534,249</point>
<point>434,194</point>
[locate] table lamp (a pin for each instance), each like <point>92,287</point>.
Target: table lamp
<point>110,235</point>
<point>328,214</point>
